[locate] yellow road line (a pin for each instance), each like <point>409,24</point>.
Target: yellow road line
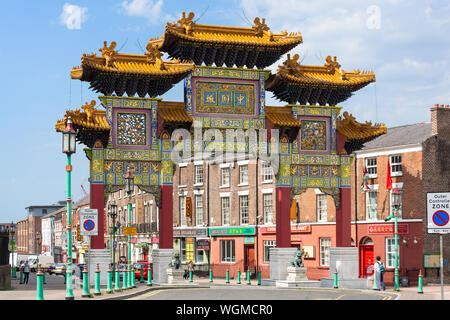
<point>151,293</point>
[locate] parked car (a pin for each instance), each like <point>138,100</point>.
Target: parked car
<point>51,268</point>
<point>142,265</point>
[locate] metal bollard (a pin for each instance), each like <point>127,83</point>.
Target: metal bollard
<point>142,275</point>
<point>39,285</point>
<point>149,277</point>
<point>133,278</point>
<point>335,279</point>
<point>21,277</point>
<point>420,282</point>
<point>109,281</point>
<point>239,277</point>
<point>190,276</point>
<point>210,276</point>
<point>248,277</point>
<point>43,276</point>
<point>259,277</point>
<point>117,280</point>
<point>125,278</point>
<point>228,277</point>
<point>97,291</point>
<point>85,293</point>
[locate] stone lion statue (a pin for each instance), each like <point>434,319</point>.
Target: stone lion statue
<point>175,263</point>
<point>297,262</point>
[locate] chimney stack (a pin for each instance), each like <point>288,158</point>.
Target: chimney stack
<point>440,120</point>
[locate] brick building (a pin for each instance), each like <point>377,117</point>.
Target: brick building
<point>27,228</point>
<point>436,178</point>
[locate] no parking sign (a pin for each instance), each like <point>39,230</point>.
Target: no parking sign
<point>438,212</point>
<point>88,222</point>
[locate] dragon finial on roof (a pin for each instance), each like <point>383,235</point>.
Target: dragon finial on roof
<point>108,52</point>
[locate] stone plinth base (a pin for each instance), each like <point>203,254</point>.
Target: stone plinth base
<point>5,277</point>
<point>161,259</point>
<point>296,274</point>
<point>345,261</point>
<point>103,258</point>
<point>280,260</point>
<point>175,276</point>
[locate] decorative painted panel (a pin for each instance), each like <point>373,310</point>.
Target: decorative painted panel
<point>313,135</point>
<point>225,98</point>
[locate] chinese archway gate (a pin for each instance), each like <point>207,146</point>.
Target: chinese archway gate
<point>134,131</point>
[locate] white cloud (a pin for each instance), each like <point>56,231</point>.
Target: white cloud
<point>408,50</point>
<point>73,16</point>
<point>151,10</point>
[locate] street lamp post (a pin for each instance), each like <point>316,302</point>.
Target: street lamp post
<point>113,214</point>
<point>13,266</point>
<point>396,204</point>
<point>69,147</point>
<point>129,189</point>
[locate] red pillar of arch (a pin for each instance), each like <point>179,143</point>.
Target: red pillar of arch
<point>344,219</point>
<point>166,218</point>
<point>97,199</point>
<point>283,223</point>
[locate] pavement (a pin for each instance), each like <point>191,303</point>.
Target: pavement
<point>55,289</point>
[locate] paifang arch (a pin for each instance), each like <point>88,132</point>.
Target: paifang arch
<point>134,131</point>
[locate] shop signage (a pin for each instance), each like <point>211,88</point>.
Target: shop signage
<point>140,211</point>
<point>387,228</point>
<point>188,206</point>
<point>183,233</point>
<point>129,231</point>
<point>203,244</point>
<point>249,240</point>
<point>231,231</point>
<point>301,228</point>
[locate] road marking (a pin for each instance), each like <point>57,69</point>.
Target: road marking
<point>340,297</point>
<point>147,295</point>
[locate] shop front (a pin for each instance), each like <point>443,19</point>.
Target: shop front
<point>378,239</point>
<point>233,249</point>
<point>192,244</point>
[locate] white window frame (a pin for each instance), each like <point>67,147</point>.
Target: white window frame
<point>268,208</point>
<point>390,252</point>
<point>198,174</point>
<point>222,175</point>
<point>227,251</point>
<point>371,166</point>
<point>243,175</point>
<point>199,209</point>
<point>267,244</point>
<point>369,206</point>
<point>183,218</point>
<point>225,210</point>
<point>324,247</point>
<point>321,205</point>
<point>267,172</point>
<point>243,209</point>
<point>395,164</point>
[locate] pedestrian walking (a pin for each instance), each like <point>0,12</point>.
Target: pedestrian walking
<point>26,272</point>
<point>379,272</point>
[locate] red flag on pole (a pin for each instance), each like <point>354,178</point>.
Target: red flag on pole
<point>389,179</point>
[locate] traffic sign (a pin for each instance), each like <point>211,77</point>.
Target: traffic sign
<point>88,222</point>
<point>438,208</point>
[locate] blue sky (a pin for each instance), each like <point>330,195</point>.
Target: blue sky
<point>405,43</point>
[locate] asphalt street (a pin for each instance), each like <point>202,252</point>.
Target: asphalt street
<point>261,293</point>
